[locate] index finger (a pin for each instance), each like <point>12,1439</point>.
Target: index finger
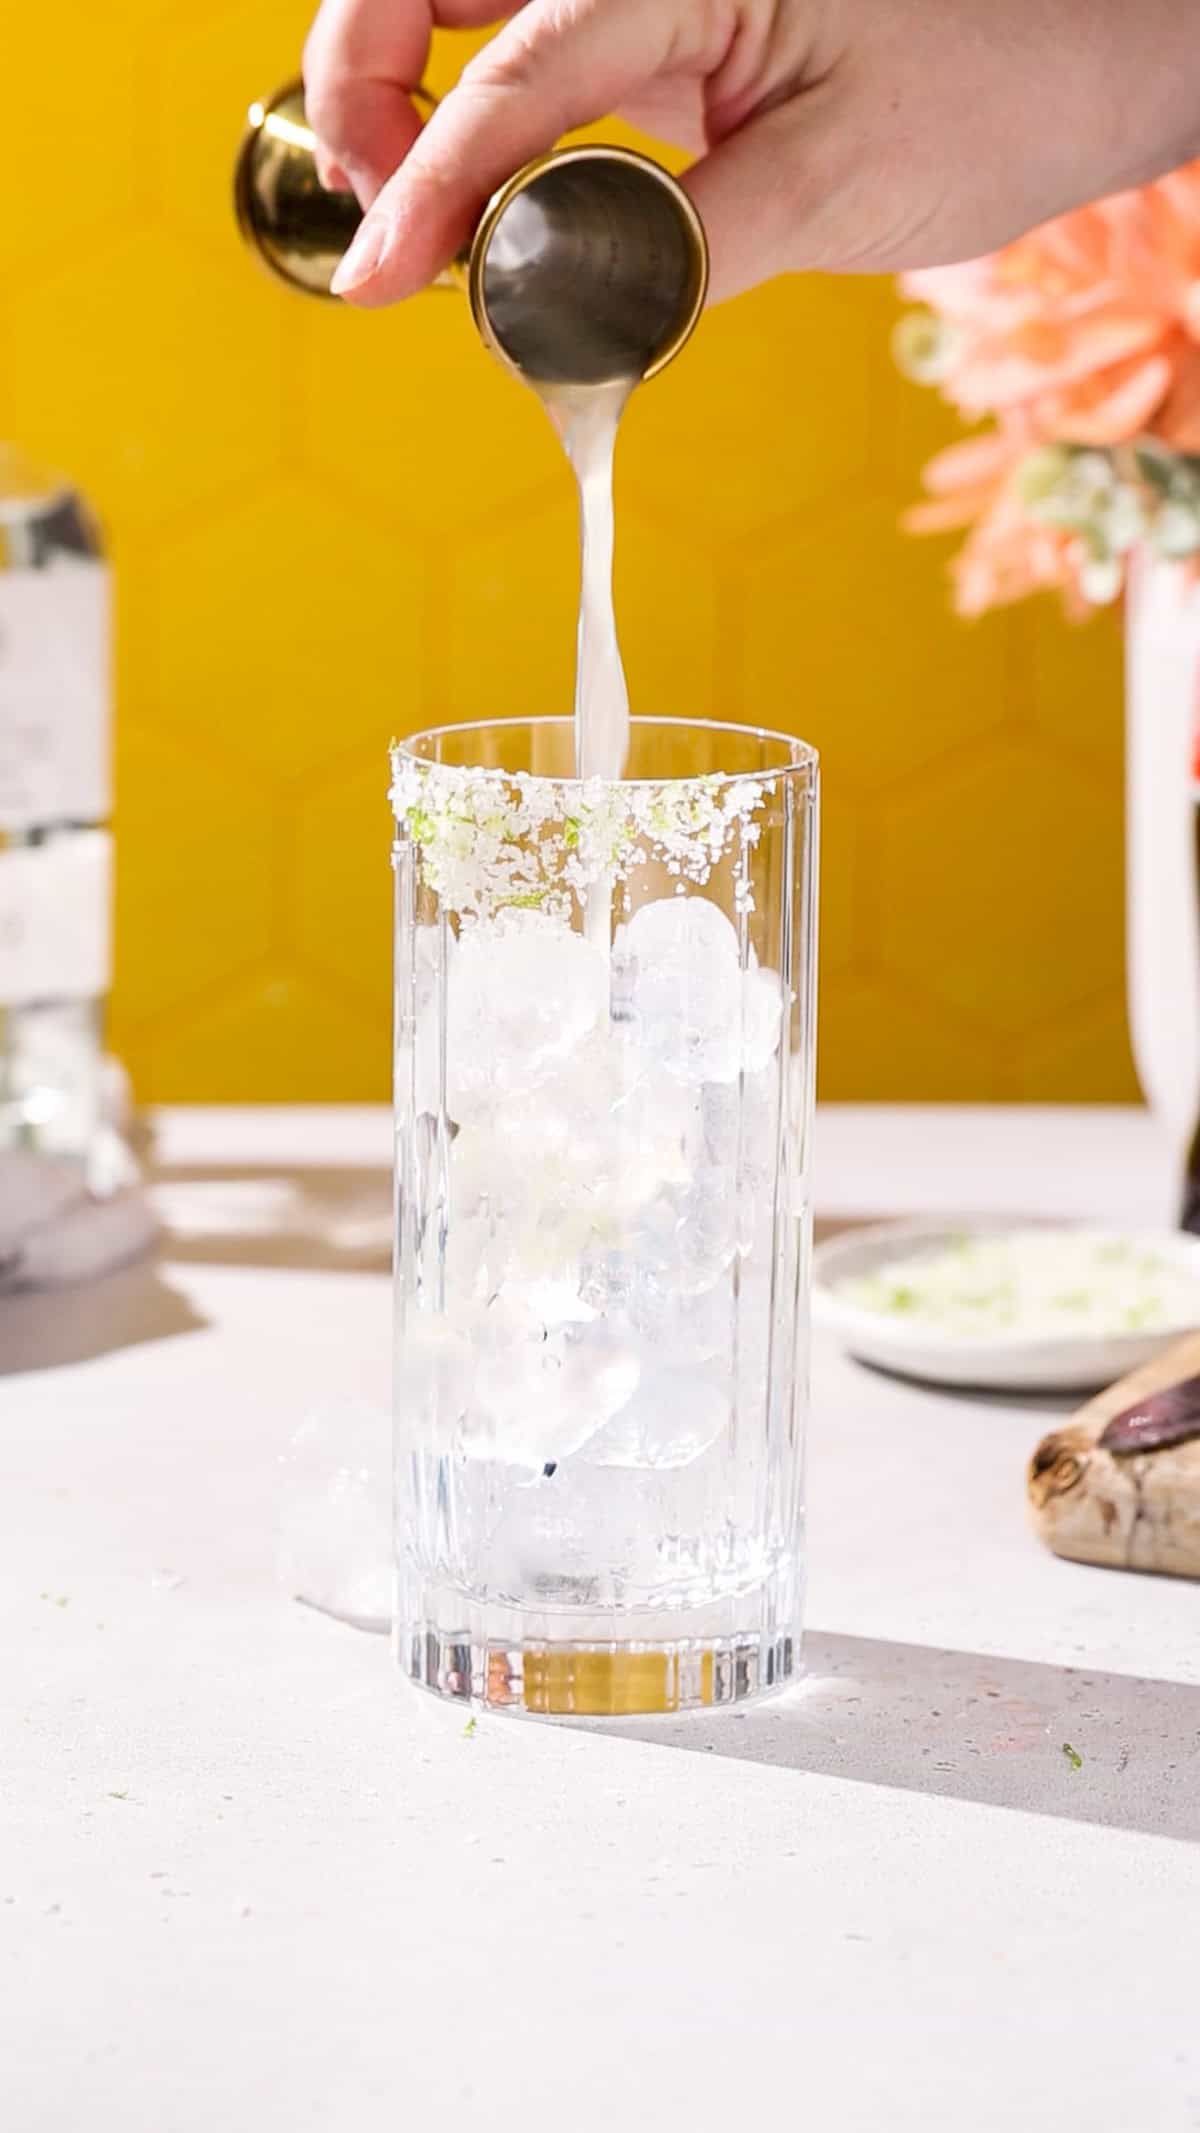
<point>361,61</point>
<point>555,67</point>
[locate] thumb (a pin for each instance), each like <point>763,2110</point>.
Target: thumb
<point>552,68</point>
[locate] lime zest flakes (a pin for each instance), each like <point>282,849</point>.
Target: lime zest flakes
<point>1073,1756</point>
<point>470,1729</point>
<point>1045,1283</point>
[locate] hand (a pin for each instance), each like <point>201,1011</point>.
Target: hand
<point>866,135</point>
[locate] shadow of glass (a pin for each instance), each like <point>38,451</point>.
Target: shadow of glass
<point>320,1219</point>
<point>1109,1749</point>
<point>42,1329</point>
<point>273,1216</point>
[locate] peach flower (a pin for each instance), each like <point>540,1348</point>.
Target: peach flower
<point>1083,335</point>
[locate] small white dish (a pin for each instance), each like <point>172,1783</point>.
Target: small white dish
<point>1008,1359</point>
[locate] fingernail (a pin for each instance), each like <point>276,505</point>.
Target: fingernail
<point>361,260</point>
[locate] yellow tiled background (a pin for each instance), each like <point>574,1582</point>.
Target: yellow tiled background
<point>329,528</point>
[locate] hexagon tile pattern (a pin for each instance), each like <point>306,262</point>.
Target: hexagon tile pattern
<point>331,528</point>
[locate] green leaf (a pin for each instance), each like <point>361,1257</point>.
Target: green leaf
<point>1156,465</point>
<point>1038,477</point>
<point>1073,1756</point>
<point>922,345</point>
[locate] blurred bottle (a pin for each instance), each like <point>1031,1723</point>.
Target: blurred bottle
<point>1190,1216</point>
<point>1162,855</point>
<point>55,854</point>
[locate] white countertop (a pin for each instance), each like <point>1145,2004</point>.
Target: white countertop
<point>249,1880</point>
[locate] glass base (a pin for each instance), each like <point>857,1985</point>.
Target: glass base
<point>490,1655</point>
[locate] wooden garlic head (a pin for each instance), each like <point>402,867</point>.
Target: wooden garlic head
<point>1058,1465</point>
<point>1121,1484</point>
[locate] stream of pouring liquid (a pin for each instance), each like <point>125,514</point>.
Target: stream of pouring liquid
<point>586,418</point>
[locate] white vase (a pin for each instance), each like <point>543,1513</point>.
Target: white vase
<point>1162,715</point>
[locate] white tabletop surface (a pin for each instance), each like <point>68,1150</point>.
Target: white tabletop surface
<point>250,1881</point>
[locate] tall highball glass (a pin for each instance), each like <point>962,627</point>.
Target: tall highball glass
<point>605,1024</point>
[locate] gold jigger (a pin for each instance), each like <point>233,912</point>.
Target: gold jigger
<point>590,264</point>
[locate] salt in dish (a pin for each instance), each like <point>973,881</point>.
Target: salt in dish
<point>1029,1308</point>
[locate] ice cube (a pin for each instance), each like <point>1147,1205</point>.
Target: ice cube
<point>741,1134</point>
<point>687,1237</point>
<point>539,1393</point>
<point>678,966</point>
<point>525,991</point>
<point>762,1017</point>
<point>671,1419</point>
<point>680,1244</point>
<point>524,1378</point>
<point>551,1171</point>
<point>684,1328</point>
<point>686,984</point>
<point>581,1536</point>
<point>418,1024</point>
<point>706,1229</point>
<point>481,1254</point>
<point>753,1344</point>
<point>335,1544</point>
<point>741,1122</point>
<point>434,1375</point>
